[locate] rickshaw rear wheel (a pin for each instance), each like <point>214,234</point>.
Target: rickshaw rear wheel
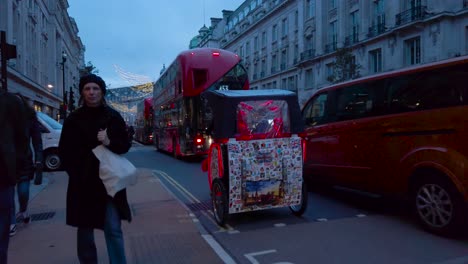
<point>299,209</point>
<point>219,198</point>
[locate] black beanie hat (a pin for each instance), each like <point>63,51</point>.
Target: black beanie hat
<point>92,78</point>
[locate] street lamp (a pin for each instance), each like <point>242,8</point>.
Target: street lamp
<point>64,93</point>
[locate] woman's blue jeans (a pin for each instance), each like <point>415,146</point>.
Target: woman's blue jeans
<point>22,189</point>
<point>114,239</point>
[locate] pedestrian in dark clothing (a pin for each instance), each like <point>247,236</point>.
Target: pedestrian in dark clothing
<point>26,173</point>
<point>13,145</point>
<point>88,204</point>
<point>131,133</point>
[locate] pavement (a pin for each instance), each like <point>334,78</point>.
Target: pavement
<point>163,229</point>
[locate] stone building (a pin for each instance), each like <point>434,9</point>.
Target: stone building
<point>49,51</point>
<point>292,44</point>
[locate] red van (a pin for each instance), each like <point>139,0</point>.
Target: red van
<point>401,133</point>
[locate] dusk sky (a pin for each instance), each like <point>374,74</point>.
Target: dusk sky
<point>128,42</point>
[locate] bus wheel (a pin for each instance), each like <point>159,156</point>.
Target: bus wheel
<point>439,206</point>
<point>299,209</point>
<point>220,202</point>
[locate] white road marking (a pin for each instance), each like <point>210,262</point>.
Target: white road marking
<point>322,219</point>
<point>280,225</point>
<point>218,249</point>
<point>361,215</point>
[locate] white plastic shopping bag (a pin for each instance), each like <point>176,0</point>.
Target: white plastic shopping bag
<point>115,171</point>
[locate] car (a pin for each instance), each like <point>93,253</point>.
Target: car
<point>51,131</point>
<point>399,134</point>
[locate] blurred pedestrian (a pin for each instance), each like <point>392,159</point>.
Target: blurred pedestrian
<point>13,145</point>
<point>26,173</point>
<point>88,204</point>
<point>131,133</point>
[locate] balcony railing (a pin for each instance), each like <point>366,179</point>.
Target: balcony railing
<point>307,55</point>
<point>330,47</point>
<point>255,76</point>
<point>283,66</point>
<point>414,14</point>
<point>376,30</point>
<point>273,69</point>
<point>351,39</point>
<point>262,74</point>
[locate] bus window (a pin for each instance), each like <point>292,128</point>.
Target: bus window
<point>232,80</point>
<point>199,77</point>
<point>314,112</point>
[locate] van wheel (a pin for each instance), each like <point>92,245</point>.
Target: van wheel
<point>52,160</point>
<point>438,206</point>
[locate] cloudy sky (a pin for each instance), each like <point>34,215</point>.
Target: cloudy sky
<point>129,41</point>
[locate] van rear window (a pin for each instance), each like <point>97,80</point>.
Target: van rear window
<point>47,119</point>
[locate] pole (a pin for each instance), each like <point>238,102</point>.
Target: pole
<point>7,52</point>
<point>4,61</point>
<point>64,93</point>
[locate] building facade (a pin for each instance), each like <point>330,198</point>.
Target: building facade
<point>49,51</point>
<point>292,44</point>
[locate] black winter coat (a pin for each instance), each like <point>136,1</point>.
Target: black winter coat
<point>33,132</point>
<point>13,138</point>
<point>86,194</point>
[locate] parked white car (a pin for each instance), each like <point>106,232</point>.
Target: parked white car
<point>51,131</point>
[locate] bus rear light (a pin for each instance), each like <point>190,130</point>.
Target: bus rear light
<point>198,140</point>
<point>215,53</point>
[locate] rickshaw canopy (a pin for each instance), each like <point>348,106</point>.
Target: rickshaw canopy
<point>246,112</point>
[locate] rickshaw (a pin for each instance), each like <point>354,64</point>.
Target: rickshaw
<point>255,158</point>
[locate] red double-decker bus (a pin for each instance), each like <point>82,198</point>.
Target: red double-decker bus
<point>144,121</point>
<point>181,120</point>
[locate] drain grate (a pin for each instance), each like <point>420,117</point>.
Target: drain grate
<point>202,206</point>
<point>42,216</point>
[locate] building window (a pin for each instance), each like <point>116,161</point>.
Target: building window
<point>241,51</point>
<point>284,59</point>
<point>332,4</point>
<point>264,39</point>
<point>247,48</point>
<point>284,83</point>
<point>354,17</point>
<point>296,20</point>
<point>292,83</point>
<point>330,71</point>
<point>309,79</point>
<point>274,64</point>
<point>332,37</point>
<point>274,33</point>
<point>262,73</point>
<point>256,43</point>
<point>310,9</point>
<point>284,27</point>
<point>413,51</point>
<point>375,60</point>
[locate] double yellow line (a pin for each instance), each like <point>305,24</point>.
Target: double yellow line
<point>189,196</point>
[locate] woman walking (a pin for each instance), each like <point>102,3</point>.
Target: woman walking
<point>26,172</point>
<point>89,206</point>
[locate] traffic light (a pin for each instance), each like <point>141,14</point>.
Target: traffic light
<point>71,101</point>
